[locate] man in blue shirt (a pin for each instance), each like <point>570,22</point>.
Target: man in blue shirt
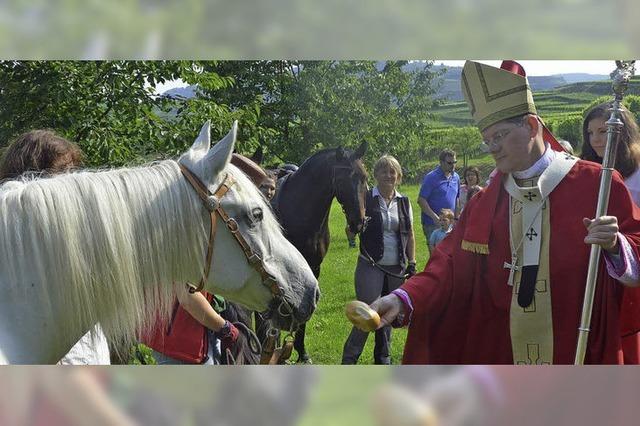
<point>440,190</point>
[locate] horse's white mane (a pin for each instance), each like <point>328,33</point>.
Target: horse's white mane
<point>100,242</point>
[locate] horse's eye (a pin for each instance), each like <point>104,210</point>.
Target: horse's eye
<point>257,214</point>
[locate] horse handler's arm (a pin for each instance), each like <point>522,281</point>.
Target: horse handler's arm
<point>197,305</point>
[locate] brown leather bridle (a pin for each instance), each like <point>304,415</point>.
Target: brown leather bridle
<point>213,205</point>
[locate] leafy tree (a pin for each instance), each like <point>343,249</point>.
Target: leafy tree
<point>304,106</point>
<point>291,108</point>
<point>110,108</point>
<point>465,141</point>
<point>343,103</point>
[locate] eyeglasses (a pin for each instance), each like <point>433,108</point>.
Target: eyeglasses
<point>451,163</point>
<point>499,137</point>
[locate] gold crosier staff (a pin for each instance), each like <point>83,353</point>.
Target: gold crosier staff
<point>620,77</point>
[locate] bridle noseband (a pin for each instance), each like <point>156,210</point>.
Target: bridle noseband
<point>213,205</point>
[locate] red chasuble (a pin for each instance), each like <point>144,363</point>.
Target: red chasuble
<point>461,301</point>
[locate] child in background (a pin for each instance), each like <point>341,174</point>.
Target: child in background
<point>446,225</point>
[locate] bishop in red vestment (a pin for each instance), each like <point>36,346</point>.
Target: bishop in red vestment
<point>460,310</point>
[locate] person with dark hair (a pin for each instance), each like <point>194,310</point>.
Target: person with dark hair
<point>387,250</point>
<point>440,189</point>
<point>43,151</point>
<point>40,151</point>
<point>470,177</point>
<point>507,286</point>
<point>594,134</point>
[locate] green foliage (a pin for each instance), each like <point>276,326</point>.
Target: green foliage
<point>632,102</point>
<point>569,129</point>
<point>141,354</point>
<point>109,108</point>
<point>291,108</point>
<point>305,106</point>
<point>465,141</point>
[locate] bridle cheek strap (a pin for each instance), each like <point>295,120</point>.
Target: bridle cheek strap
<point>212,203</point>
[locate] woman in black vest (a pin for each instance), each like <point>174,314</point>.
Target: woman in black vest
<point>387,252</point>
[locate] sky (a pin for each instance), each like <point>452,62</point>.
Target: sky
<point>551,67</point>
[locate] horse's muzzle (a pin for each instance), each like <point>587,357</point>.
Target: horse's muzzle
<point>283,315</point>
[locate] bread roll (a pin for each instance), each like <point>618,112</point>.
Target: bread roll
<point>362,316</point>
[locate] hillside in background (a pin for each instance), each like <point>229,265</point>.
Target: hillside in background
<point>186,92</point>
<point>569,99</point>
<point>451,91</point>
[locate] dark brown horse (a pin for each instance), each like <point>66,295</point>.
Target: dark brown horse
<point>303,201</point>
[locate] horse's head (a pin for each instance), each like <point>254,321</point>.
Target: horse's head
<point>350,185</point>
<point>252,262</point>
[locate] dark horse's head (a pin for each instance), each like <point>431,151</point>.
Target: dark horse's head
<point>350,184</point>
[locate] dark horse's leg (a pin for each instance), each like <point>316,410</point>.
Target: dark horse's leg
<point>298,343</point>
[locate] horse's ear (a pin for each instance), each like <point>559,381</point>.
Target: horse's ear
<point>203,141</point>
<point>219,156</point>
<point>359,153</point>
<point>340,155</point>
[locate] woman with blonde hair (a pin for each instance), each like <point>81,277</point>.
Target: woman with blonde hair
<point>387,253</point>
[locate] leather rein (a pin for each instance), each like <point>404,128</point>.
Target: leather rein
<point>215,209</point>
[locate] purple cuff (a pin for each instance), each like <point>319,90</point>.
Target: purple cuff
<point>405,317</point>
<point>623,267</point>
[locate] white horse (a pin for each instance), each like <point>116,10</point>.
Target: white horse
<point>107,246</point>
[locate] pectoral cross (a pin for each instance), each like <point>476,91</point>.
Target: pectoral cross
<point>512,268</point>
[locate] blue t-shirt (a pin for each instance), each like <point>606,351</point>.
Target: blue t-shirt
<point>438,235</point>
<point>440,192</point>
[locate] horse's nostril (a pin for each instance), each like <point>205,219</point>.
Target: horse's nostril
<point>317,295</point>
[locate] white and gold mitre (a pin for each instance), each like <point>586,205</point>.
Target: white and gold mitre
<point>494,94</point>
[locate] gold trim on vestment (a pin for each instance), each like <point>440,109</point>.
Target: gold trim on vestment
<point>475,247</point>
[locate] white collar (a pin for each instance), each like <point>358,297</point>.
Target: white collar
<point>376,193</point>
<point>539,166</point>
